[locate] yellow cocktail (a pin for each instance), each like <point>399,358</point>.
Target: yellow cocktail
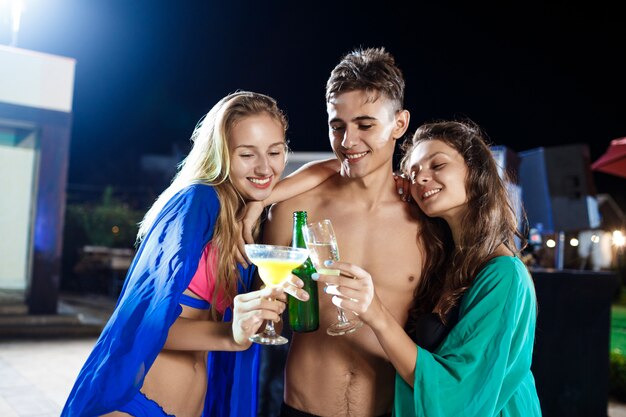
<point>274,272</point>
<point>275,264</point>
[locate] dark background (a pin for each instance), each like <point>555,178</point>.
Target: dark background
<point>530,74</point>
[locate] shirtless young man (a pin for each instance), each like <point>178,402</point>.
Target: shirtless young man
<point>350,375</point>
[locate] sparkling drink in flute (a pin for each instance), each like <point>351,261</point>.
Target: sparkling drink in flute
<point>321,241</point>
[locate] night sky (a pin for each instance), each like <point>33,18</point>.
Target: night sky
<point>530,74</point>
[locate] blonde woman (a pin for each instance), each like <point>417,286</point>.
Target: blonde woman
<point>177,342</point>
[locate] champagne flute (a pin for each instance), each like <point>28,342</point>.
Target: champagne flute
<point>321,241</point>
<point>275,264</point>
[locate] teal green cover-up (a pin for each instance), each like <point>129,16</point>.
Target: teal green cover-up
<point>482,368</point>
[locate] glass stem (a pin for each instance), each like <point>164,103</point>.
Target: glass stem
<point>269,326</point>
<point>341,315</point>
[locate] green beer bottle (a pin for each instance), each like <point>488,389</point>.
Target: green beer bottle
<point>303,315</point>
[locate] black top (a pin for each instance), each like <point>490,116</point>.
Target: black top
<point>430,330</point>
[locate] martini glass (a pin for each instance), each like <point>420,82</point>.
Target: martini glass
<point>321,241</point>
<point>275,264</point>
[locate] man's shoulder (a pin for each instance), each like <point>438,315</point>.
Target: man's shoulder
<point>280,216</point>
<point>312,201</point>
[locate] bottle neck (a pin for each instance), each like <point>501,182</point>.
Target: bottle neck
<point>299,220</point>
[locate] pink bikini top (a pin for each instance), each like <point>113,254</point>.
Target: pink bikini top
<point>203,282</point>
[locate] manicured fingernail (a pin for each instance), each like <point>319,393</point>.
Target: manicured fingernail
<point>328,262</point>
<point>304,296</point>
<point>315,276</point>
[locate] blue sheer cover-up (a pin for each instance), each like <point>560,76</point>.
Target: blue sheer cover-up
<point>149,304</point>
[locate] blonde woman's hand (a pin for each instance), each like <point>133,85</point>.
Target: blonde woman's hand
<point>240,254</point>
<point>293,286</point>
<point>251,214</point>
<point>251,309</point>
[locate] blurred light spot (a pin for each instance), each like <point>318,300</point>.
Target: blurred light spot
<point>535,238</point>
<point>550,243</point>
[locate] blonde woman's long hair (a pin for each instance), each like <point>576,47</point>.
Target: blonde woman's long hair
<point>208,162</point>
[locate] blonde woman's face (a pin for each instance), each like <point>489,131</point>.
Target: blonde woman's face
<point>257,156</point>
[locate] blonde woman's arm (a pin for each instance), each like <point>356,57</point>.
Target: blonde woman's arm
<point>249,312</point>
<point>305,178</point>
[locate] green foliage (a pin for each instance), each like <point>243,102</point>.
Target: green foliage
<point>618,327</point>
<point>109,223</point>
<point>617,365</point>
<point>617,375</point>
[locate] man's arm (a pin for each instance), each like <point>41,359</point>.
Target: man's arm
<point>308,176</point>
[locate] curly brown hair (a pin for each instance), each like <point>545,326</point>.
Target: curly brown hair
<point>489,221</point>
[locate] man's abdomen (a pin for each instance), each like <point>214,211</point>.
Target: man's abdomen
<point>332,376</point>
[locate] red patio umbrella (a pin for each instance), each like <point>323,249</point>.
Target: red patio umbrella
<point>614,159</point>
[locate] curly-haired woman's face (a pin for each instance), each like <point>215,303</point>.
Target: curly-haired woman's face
<point>437,172</point>
<point>257,156</point>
